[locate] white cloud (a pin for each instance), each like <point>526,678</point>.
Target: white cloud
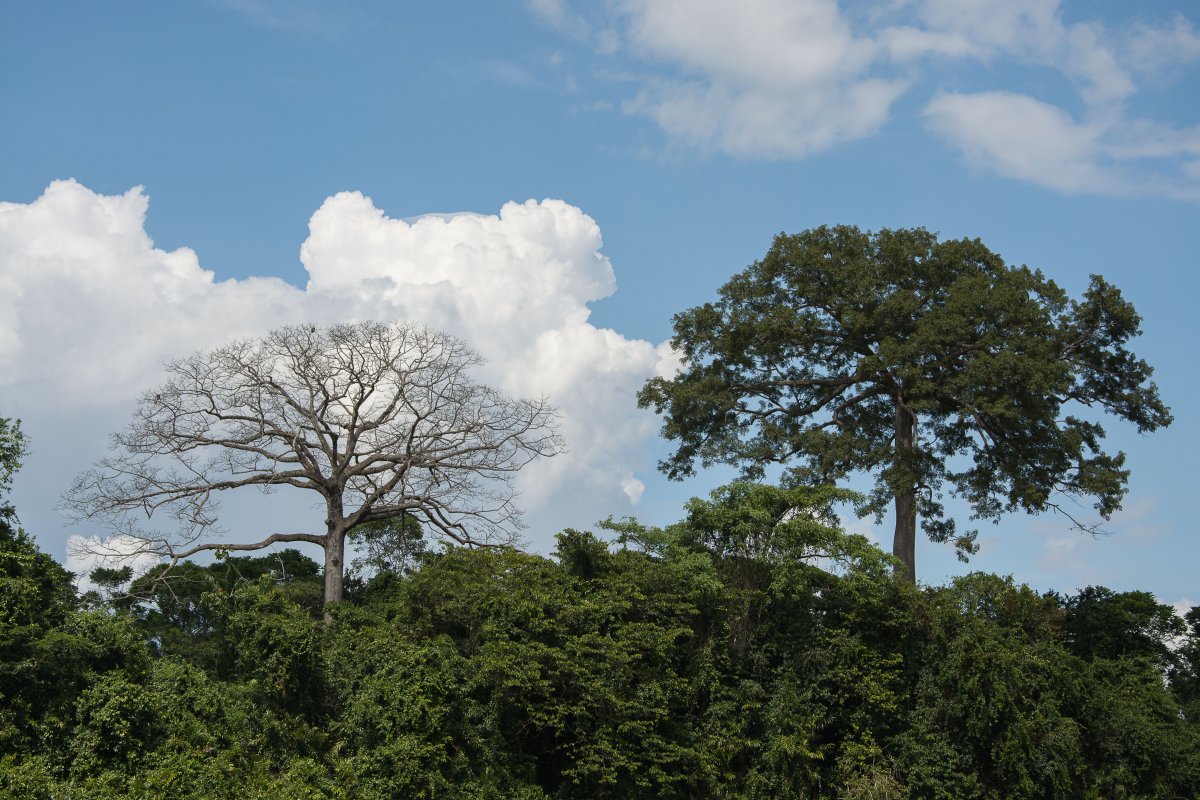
<point>1100,150</point>
<point>1091,60</point>
<point>758,124</point>
<point>1017,136</point>
<point>784,79</point>
<point>767,78</point>
<point>89,309</point>
<point>1033,32</point>
<point>1029,26</point>
<point>767,42</point>
<point>633,488</point>
<point>1021,137</point>
<point>905,42</point>
<point>1142,139</point>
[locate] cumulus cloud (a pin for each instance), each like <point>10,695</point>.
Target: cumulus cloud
<point>782,79</point>
<point>89,309</point>
<point>516,286</point>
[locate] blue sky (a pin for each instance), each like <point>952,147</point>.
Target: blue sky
<point>679,137</point>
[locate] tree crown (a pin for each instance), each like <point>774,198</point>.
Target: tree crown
<point>808,355</point>
<point>379,420</point>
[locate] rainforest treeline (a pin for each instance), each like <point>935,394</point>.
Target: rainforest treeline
<point>753,650</point>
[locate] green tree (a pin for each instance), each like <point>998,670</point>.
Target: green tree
<point>185,611</point>
<point>34,589</point>
<point>1101,623</point>
<point>1185,675</point>
<point>49,650</point>
<point>933,365</point>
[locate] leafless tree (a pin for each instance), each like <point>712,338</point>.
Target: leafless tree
<point>379,420</point>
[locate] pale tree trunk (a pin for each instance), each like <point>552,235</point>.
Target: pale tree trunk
<point>904,543</point>
<point>335,552</point>
<point>335,549</point>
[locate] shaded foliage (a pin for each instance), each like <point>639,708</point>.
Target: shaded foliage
<point>752,650</point>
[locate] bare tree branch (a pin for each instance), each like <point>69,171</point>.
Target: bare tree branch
<point>379,420</point>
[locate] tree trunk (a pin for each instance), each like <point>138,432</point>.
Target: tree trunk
<point>335,550</point>
<point>904,543</point>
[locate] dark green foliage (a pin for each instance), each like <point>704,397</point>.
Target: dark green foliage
<point>40,655</point>
<point>34,589</point>
<point>1104,624</point>
<point>933,365</point>
<point>992,693</point>
<point>185,611</point>
<point>111,579</point>
<point>1185,674</point>
<point>751,651</point>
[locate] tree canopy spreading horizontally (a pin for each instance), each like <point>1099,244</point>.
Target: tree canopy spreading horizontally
<point>931,364</point>
<point>379,421</point>
<point>751,651</point>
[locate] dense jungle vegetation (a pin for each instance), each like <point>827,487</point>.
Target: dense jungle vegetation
<point>753,650</point>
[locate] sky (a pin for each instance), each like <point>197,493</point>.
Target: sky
<point>552,181</point>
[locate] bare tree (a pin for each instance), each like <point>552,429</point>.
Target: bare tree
<point>379,420</point>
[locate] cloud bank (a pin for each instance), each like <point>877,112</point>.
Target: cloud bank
<point>89,309</point>
<point>784,79</point>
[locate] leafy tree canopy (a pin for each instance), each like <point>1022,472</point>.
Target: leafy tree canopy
<point>752,650</point>
<point>931,364</point>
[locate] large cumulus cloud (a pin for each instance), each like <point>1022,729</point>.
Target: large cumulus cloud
<point>89,309</point>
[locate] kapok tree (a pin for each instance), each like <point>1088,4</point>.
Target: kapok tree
<point>932,365</point>
<point>380,421</point>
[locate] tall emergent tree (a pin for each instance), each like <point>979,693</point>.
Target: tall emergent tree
<point>379,421</point>
<point>932,364</point>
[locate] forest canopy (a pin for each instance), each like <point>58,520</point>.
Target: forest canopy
<point>753,649</point>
